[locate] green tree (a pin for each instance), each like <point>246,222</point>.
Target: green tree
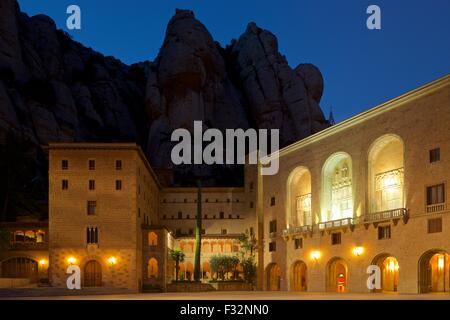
<point>248,247</point>
<point>198,235</point>
<point>178,256</point>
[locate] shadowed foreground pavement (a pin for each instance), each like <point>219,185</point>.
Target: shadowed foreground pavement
<point>230,295</point>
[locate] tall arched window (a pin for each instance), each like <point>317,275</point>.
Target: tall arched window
<point>386,172</point>
<point>337,187</point>
<point>299,198</point>
<point>152,239</point>
<point>152,268</point>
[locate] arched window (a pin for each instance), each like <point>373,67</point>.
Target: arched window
<point>299,198</point>
<point>152,271</point>
<point>152,239</point>
<point>337,188</point>
<point>386,173</point>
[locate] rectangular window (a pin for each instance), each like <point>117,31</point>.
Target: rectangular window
<point>229,216</point>
<point>435,155</point>
<point>188,216</point>
<point>65,184</point>
<point>272,201</point>
<point>119,165</point>
<point>273,226</point>
<point>384,232</point>
<point>436,194</point>
<point>435,225</point>
<point>91,164</point>
<point>222,215</point>
<point>180,215</point>
<point>224,231</point>
<point>91,208</point>
<point>298,243</point>
<point>336,238</point>
<point>165,216</point>
<point>251,204</point>
<point>91,184</point>
<point>272,246</point>
<point>92,235</point>
<point>64,164</point>
<point>118,184</point>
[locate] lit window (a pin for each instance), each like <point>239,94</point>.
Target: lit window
<point>152,239</point>
<point>304,210</point>
<point>389,190</point>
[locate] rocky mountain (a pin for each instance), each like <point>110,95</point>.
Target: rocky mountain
<point>53,88</point>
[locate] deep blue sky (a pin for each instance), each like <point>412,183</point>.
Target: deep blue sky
<point>362,68</point>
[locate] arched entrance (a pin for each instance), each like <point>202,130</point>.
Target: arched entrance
<point>20,267</point>
<point>434,271</point>
<point>298,276</point>
<point>92,274</point>
<point>273,277</point>
<point>389,272</point>
<point>337,275</point>
<point>152,269</point>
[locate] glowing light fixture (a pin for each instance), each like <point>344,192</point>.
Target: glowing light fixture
<point>440,262</point>
<point>71,260</point>
<point>389,180</point>
<point>357,251</point>
<point>42,262</point>
<point>112,260</point>
<point>315,255</point>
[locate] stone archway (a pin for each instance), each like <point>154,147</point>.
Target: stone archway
<point>389,272</point>
<point>434,271</point>
<point>299,276</point>
<point>337,275</point>
<point>19,267</point>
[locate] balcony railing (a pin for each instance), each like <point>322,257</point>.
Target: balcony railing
<point>435,207</point>
<point>386,215</point>
<point>19,245</point>
<point>297,230</point>
<point>336,224</point>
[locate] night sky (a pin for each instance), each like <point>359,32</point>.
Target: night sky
<point>361,67</point>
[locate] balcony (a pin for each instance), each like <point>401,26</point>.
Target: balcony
<point>19,245</point>
<point>394,214</point>
<point>337,224</point>
<point>297,230</point>
<point>435,207</point>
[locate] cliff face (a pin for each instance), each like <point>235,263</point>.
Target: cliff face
<point>55,89</point>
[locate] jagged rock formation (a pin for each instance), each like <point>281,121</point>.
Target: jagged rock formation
<point>55,89</point>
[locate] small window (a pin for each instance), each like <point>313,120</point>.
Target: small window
<point>185,200</point>
<point>65,184</point>
<point>238,217</point>
<point>224,231</point>
<point>214,216</point>
<point>164,200</point>
<point>180,215</point>
<point>91,164</point>
<point>205,216</point>
<point>272,246</point>
<point>298,243</point>
<point>435,155</point>
<point>139,212</point>
<point>384,232</point>
<point>222,215</point>
<point>251,204</point>
<point>272,201</point>
<point>91,184</point>
<point>252,231</point>
<point>64,164</point>
<point>119,165</point>
<point>206,200</point>
<point>92,235</point>
<point>228,200</point>
<point>436,194</point>
<point>435,225</point>
<point>118,184</point>
<point>273,226</point>
<point>188,216</point>
<point>229,216</point>
<point>165,216</point>
<point>92,208</point>
<point>336,238</point>
<point>251,185</point>
<point>191,232</point>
